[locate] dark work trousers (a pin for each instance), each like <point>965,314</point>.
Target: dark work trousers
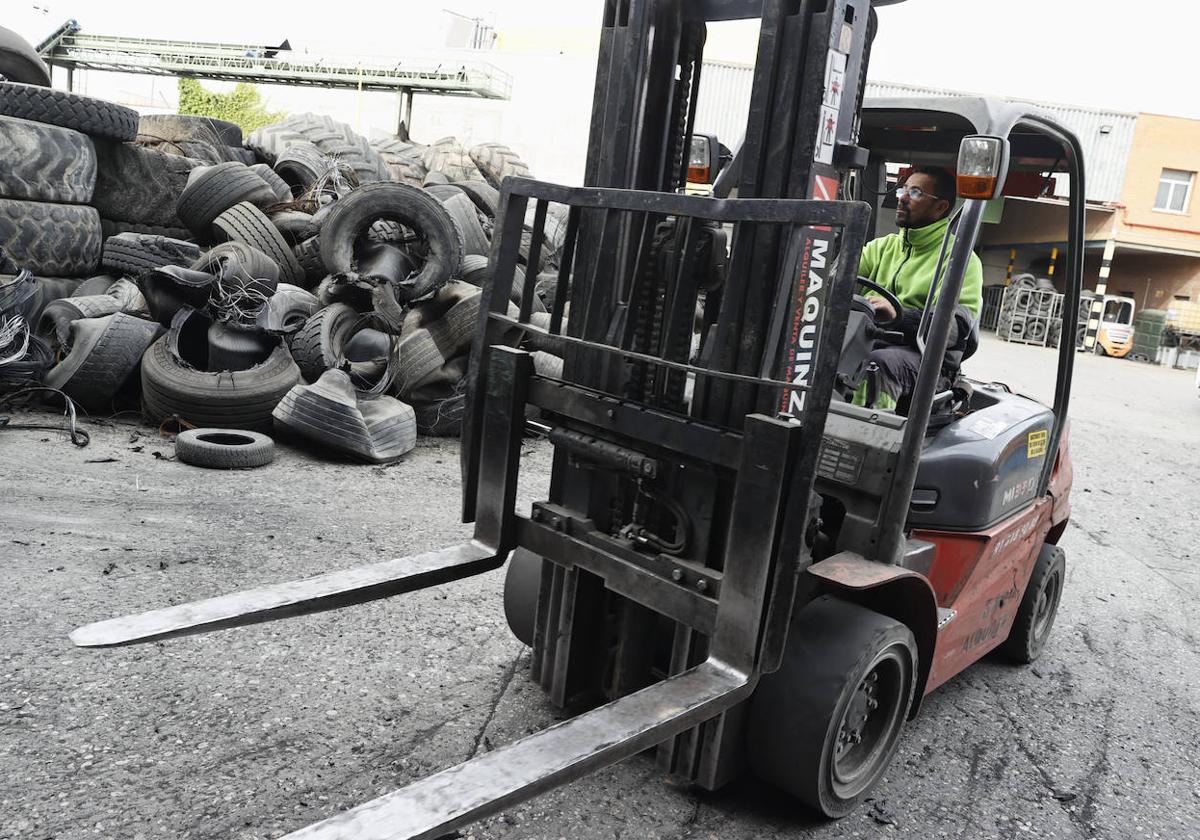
<point>898,367</point>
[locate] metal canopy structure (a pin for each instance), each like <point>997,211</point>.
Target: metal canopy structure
<point>258,64</point>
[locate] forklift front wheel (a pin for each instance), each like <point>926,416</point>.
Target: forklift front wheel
<point>522,582</point>
<point>824,726</point>
<point>1039,607</point>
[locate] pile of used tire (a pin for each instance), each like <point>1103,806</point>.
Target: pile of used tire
<point>299,279</point>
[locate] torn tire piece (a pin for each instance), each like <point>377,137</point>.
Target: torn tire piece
<point>171,288</point>
<point>308,256</point>
<point>279,186</point>
<point>287,310</point>
<point>105,353</point>
<point>475,240</point>
<point>411,207</point>
<point>224,449</point>
<point>57,316</point>
<point>136,254</point>
<point>317,347</point>
<point>238,257</point>
<point>374,428</point>
<point>20,62</point>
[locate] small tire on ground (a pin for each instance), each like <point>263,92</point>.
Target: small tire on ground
<point>224,449</point>
<point>1038,609</point>
<point>804,718</point>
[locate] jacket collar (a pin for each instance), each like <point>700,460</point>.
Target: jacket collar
<point>925,238</point>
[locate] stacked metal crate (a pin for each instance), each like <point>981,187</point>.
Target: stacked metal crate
<point>1030,312</point>
<point>1148,328</point>
<point>989,315</point>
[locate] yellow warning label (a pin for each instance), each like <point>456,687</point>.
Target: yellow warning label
<point>1037,443</point>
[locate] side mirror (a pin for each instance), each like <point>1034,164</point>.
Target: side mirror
<point>982,166</point>
<point>706,158</point>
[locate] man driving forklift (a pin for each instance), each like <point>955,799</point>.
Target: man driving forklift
<point>904,264</point>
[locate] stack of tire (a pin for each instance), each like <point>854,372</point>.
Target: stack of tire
<point>1029,312</point>
<point>49,224</point>
<point>221,279</point>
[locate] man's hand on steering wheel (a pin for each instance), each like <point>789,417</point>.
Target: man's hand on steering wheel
<point>884,313</point>
<point>887,306</point>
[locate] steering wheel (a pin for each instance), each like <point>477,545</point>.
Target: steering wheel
<point>882,292</point>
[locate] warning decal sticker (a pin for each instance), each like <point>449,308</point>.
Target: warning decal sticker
<point>1037,443</point>
<point>835,83</point>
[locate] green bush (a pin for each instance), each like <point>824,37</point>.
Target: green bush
<point>243,105</point>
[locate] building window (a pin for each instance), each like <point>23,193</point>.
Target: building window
<point>1174,191</point>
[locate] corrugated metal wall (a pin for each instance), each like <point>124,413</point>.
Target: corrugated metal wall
<point>1106,136</point>
<point>724,103</point>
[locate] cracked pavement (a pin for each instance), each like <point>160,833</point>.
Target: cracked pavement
<point>255,732</point>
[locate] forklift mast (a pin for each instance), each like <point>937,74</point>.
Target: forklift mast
<point>800,143</point>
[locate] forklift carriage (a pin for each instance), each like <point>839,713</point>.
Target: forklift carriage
<point>733,565</point>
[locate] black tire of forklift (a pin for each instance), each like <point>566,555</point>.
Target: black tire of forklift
<point>522,582</point>
<point>812,729</point>
<point>1039,607</point>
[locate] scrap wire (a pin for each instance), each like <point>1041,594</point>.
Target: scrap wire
<point>241,303</point>
<point>78,436</point>
<point>14,332</point>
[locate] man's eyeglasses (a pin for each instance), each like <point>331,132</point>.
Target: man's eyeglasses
<point>913,193</point>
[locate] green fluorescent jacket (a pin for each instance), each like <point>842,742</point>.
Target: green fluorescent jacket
<point>903,264</point>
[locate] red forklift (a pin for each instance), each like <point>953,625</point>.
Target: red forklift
<point>735,566</point>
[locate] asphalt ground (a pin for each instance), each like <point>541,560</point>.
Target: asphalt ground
<point>255,732</point>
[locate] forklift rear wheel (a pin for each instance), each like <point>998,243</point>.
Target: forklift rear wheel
<point>1035,617</point>
<point>825,725</point>
<point>522,583</point>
